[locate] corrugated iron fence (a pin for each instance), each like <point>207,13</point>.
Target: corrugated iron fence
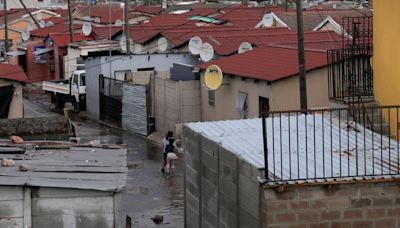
<point>326,144</point>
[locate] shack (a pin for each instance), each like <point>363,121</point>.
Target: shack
<point>64,186</point>
<point>323,169</point>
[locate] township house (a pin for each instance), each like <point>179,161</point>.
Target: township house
<point>334,167</point>
<point>12,78</point>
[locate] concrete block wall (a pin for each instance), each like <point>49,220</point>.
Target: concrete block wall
<point>176,102</point>
<point>365,205</point>
<point>220,189</point>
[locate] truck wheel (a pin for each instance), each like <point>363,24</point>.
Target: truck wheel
<point>59,103</point>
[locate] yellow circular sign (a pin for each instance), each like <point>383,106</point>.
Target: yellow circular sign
<point>213,77</point>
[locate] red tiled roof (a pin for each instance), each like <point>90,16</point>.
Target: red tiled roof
<point>146,9</point>
<point>12,72</point>
<point>57,28</point>
<point>268,63</point>
<point>104,32</point>
<point>313,18</point>
<point>62,40</point>
<point>56,20</point>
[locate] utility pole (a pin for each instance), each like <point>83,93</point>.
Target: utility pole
<point>286,5</point>
<point>71,34</point>
<point>126,24</point>
<point>302,69</point>
<point>29,12</point>
<point>5,30</point>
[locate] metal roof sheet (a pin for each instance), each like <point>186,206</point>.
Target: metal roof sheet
<point>245,139</point>
<point>92,168</point>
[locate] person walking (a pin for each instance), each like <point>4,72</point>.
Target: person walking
<point>169,146</point>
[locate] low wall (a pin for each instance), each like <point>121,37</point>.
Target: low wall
<point>33,126</point>
<point>344,205</point>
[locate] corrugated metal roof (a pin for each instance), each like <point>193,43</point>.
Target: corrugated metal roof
<point>265,63</point>
<point>92,168</point>
<point>12,72</point>
<point>365,155</point>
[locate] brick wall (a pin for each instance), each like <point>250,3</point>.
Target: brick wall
<point>333,206</point>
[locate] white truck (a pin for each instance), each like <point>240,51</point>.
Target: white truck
<point>70,90</point>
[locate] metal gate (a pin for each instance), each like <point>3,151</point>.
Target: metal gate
<point>134,109</point>
<point>110,100</point>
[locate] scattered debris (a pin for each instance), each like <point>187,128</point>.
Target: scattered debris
<point>8,162</point>
<point>157,219</point>
<point>95,142</point>
<point>23,168</point>
<point>16,139</point>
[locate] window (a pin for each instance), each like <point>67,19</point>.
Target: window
<point>3,49</point>
<point>211,97</point>
<point>242,105</point>
<point>75,79</point>
<point>263,105</point>
<point>83,80</point>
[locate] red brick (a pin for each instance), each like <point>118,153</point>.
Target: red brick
<point>382,202</point>
<point>393,212</point>
<point>391,190</point>
<point>341,224</point>
<point>286,195</point>
<point>376,213</point>
<point>330,215</point>
<point>285,218</point>
<point>318,204</point>
<point>362,224</point>
<point>352,214</point>
<point>274,206</point>
<point>387,223</point>
<point>298,226</point>
<point>339,203</point>
<point>295,205</point>
<point>320,225</point>
<point>303,195</point>
<point>269,218</point>
<point>308,216</point>
<point>357,203</point>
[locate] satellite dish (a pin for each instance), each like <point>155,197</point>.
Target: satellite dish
<point>31,26</point>
<point>213,77</point>
<point>244,47</point>
<point>268,20</point>
<point>25,35</point>
<point>39,16</point>
<point>49,24</point>
<point>195,45</point>
<point>42,23</point>
<point>97,20</point>
<point>118,22</point>
<point>206,52</point>
<point>86,28</point>
<point>162,44</point>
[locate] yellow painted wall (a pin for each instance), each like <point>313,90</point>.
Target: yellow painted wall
<point>16,38</point>
<point>386,60</point>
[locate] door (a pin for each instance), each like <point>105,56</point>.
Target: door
<point>134,109</point>
<point>263,106</point>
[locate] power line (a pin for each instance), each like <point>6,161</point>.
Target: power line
<point>139,52</point>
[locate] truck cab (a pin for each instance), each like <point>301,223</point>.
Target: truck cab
<point>71,90</point>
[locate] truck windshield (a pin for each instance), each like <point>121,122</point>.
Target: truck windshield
<point>83,81</point>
